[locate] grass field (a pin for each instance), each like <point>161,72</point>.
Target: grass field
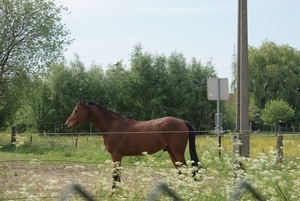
<point>43,169</point>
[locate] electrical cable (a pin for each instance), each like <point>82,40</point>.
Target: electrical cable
<point>131,31</point>
<point>106,23</point>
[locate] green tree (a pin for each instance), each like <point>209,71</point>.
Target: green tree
<point>11,94</point>
<point>35,111</point>
<point>117,89</point>
<point>160,87</point>
<point>53,96</point>
<point>177,84</point>
<point>275,111</point>
<point>200,111</point>
<point>229,115</point>
<point>67,85</point>
<point>295,120</point>
<point>31,36</point>
<point>274,74</point>
<point>96,90</point>
<point>148,79</point>
<point>254,113</point>
<point>154,86</point>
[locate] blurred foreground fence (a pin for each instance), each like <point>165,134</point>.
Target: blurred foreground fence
<point>162,188</point>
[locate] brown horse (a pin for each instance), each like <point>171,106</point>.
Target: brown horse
<point>124,136</point>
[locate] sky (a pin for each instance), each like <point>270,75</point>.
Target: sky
<point>105,32</point>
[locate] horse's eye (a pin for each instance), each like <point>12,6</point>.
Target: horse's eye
<point>75,111</point>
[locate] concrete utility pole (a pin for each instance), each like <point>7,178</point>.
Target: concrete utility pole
<point>242,104</point>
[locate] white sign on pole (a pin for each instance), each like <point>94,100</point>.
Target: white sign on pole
<point>213,90</point>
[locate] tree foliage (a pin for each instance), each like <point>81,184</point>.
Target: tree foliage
<point>148,84</point>
<point>153,86</point>
<point>198,107</point>
<point>275,111</point>
<point>254,112</point>
<point>274,74</point>
<point>31,36</point>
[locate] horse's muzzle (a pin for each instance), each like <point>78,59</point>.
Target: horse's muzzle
<point>67,126</point>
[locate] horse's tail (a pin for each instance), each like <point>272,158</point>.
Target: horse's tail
<point>192,144</point>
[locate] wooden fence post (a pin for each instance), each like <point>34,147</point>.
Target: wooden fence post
<point>76,141</point>
<point>279,144</point>
<point>236,143</point>
<point>219,143</point>
<point>13,134</point>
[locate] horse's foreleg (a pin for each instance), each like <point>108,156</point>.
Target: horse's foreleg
<point>116,175</point>
<point>117,172</point>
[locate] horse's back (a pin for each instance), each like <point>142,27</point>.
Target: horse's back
<point>171,130</point>
<point>172,124</point>
<point>154,135</point>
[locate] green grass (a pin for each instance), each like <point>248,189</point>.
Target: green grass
<point>216,181</point>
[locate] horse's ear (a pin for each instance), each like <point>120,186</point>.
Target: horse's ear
<point>79,100</point>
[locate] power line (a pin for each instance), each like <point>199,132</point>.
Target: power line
<point>106,23</point>
<point>131,31</point>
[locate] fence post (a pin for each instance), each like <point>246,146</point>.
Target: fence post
<point>30,142</point>
<point>219,143</point>
<point>13,134</point>
<point>279,144</point>
<point>76,141</point>
<point>236,144</point>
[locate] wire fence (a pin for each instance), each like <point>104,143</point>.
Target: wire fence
<point>81,156</point>
<point>259,143</point>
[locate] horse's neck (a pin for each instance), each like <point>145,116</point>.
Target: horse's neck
<point>100,121</point>
<point>106,122</point>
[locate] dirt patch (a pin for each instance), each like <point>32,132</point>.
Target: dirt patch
<point>19,179</point>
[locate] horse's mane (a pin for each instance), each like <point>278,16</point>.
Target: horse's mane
<point>106,109</point>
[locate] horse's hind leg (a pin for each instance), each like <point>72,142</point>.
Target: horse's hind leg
<point>177,158</point>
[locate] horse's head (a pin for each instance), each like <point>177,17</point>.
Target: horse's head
<point>79,115</point>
